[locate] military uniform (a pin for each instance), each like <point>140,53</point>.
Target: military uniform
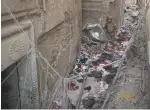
<point>110,30</point>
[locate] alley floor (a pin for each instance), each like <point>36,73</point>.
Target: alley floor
<point>131,89</point>
<point>107,76</point>
<point>104,65</point>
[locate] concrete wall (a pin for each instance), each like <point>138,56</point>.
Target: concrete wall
<point>55,22</point>
<point>96,11</point>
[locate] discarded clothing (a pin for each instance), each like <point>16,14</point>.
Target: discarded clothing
<point>134,14</point>
<point>106,56</point>
<point>54,106</point>
<point>90,75</point>
<point>88,88</point>
<point>111,69</point>
<point>97,74</point>
<point>80,80</point>
<point>109,78</point>
<point>73,106</point>
<point>78,65</point>
<point>73,85</point>
<point>95,63</point>
<point>84,60</point>
<point>98,89</point>
<point>88,102</point>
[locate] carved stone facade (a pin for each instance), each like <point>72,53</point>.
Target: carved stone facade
<point>56,30</point>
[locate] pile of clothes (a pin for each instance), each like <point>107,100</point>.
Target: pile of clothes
<point>99,63</point>
<point>103,64</point>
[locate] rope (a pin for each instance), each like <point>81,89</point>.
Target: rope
<point>40,62</point>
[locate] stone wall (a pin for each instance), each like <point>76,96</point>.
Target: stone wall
<point>96,11</point>
<point>55,25</point>
<point>117,11</point>
<point>148,42</point>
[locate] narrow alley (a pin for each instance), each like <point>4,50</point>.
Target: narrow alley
<point>75,54</point>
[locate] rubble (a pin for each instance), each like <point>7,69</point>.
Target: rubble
<point>80,79</point>
<point>99,64</point>
<point>135,14</point>
<point>111,69</point>
<point>73,85</point>
<point>109,78</point>
<point>87,88</point>
<point>88,102</point>
<point>94,32</point>
<point>73,106</point>
<point>104,70</point>
<point>97,74</point>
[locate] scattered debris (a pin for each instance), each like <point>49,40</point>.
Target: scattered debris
<point>126,96</point>
<point>73,106</point>
<point>73,85</point>
<point>88,102</point>
<point>97,74</point>
<point>99,62</point>
<point>87,88</point>
<point>111,69</point>
<point>135,14</point>
<point>94,32</point>
<point>80,79</point>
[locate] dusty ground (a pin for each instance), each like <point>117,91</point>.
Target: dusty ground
<point>130,91</point>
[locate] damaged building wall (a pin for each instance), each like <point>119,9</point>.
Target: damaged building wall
<point>55,22</point>
<point>15,45</point>
<point>59,45</point>
<point>96,11</point>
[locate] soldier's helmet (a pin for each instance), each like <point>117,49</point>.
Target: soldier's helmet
<point>109,19</point>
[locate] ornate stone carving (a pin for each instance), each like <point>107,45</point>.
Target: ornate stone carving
<point>16,49</point>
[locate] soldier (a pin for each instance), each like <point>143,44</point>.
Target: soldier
<point>110,28</point>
